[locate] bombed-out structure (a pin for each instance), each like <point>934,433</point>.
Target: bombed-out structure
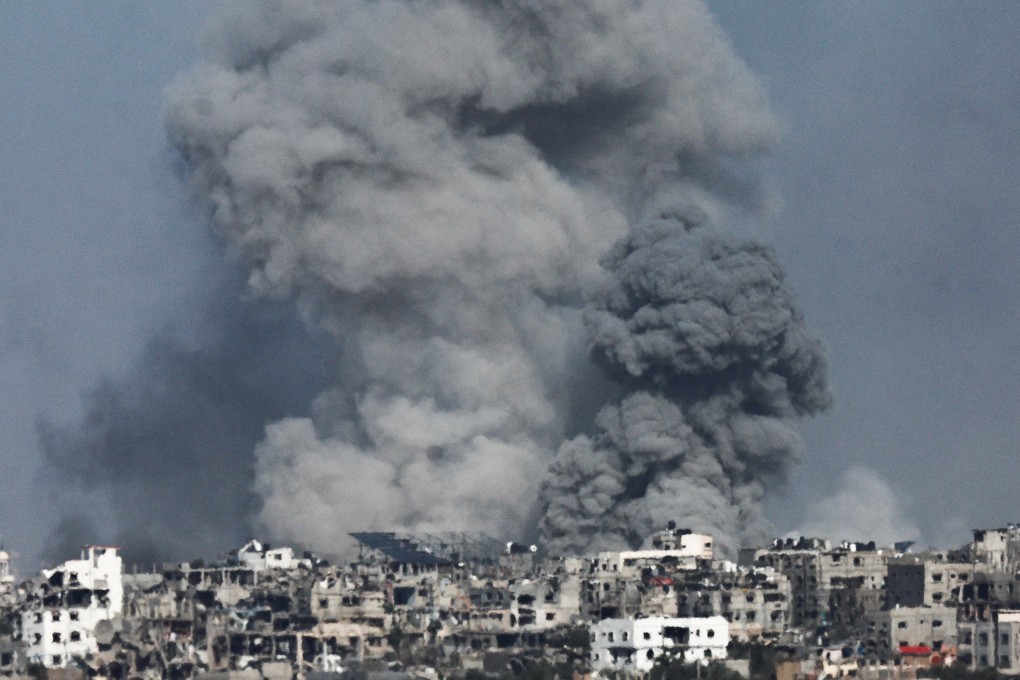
<point>458,602</point>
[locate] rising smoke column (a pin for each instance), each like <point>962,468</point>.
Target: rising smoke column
<point>703,335</point>
<point>433,183</point>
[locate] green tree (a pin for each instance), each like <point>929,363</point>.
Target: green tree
<point>958,671</point>
<point>667,668</point>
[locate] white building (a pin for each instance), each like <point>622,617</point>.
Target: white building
<point>78,594</point>
<point>633,645</point>
<point>672,552</point>
<point>259,557</point>
<point>687,543</point>
<point>6,574</point>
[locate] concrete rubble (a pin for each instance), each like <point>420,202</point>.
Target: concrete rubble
<point>430,606</point>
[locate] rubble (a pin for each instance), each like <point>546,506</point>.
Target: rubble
<point>417,607</point>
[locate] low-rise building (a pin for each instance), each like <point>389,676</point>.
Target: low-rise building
<point>633,645</point>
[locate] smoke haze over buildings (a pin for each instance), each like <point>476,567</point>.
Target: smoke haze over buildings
<point>433,184</point>
<point>862,505</point>
<point>898,226</point>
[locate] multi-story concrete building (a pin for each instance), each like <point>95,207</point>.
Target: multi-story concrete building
<point>892,629</point>
<point>72,599</point>
<point>672,550</point>
<point>818,571</point>
<point>857,570</point>
<point>999,548</point>
<point>992,644</point>
<point>852,604</point>
<point>798,560</point>
<point>925,579</point>
<point>755,602</point>
<point>633,645</point>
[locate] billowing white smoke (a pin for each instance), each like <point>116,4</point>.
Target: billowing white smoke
<point>862,506</point>
<point>434,182</point>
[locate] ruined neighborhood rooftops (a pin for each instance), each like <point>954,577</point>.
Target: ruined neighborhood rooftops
<point>398,549</point>
<point>801,543</point>
<point>434,550</point>
<point>256,613</point>
<point>858,546</point>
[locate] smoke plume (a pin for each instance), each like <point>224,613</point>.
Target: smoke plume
<point>863,506</point>
<point>704,338</point>
<point>433,183</point>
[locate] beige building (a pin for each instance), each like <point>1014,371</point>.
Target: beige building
<point>755,602</point>
<point>926,580</point>
<point>992,644</point>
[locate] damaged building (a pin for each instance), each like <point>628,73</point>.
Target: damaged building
<point>634,645</point>
<point>65,605</point>
<point>458,603</point>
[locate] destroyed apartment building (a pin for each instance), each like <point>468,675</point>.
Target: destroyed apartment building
<point>458,603</point>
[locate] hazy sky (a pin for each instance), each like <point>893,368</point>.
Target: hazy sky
<point>96,246</point>
<point>899,173</point>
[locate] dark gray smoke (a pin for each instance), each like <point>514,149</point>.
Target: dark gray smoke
<point>704,338</point>
<point>433,183</point>
<point>162,458</point>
